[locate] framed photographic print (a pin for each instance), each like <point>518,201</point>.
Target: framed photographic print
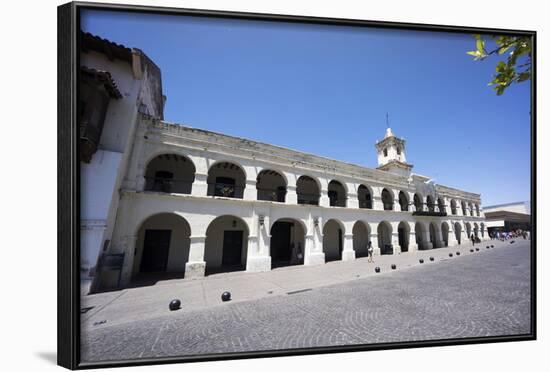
<point>236,185</point>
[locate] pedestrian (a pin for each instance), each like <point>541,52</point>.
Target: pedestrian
<point>473,238</point>
<point>370,250</point>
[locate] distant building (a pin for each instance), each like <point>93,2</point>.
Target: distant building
<point>167,198</point>
<point>508,217</point>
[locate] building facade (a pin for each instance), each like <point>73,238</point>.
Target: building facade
<point>190,202</point>
<point>508,217</point>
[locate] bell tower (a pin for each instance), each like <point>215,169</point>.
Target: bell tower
<point>391,155</point>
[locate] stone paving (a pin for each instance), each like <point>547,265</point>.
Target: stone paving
<point>485,293</point>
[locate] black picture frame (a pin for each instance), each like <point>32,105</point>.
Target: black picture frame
<point>69,183</point>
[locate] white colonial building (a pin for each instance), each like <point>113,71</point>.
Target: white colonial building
<point>190,202</point>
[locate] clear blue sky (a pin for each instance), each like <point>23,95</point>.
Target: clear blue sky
<point>326,90</point>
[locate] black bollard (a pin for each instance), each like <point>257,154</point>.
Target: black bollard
<point>487,247</point>
<point>471,250</point>
<point>431,258</point>
<point>174,305</point>
<point>377,269</point>
<point>492,246</point>
<point>477,249</point>
<point>226,296</point>
<point>393,267</point>
<point>421,260</point>
<point>450,255</point>
<point>458,253</point>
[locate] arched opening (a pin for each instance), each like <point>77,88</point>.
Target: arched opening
<point>365,197</point>
<point>387,199</point>
<point>336,194</point>
<point>468,230</point>
<point>420,235</point>
<point>226,245</point>
<point>477,210</point>
<point>384,238</point>
<point>333,240</point>
<point>307,190</point>
<point>430,203</point>
<point>471,207</point>
<point>226,179</point>
<point>271,186</point>
<point>170,173</point>
<point>162,246</point>
<point>287,243</point>
<point>361,238</point>
<point>433,236</point>
<point>445,234</point>
<point>482,230</point>
<point>458,232</point>
<point>418,202</point>
<point>453,207</point>
<point>441,205</point>
<point>463,206</point>
<point>403,201</point>
<point>476,230</point>
<point>403,232</point>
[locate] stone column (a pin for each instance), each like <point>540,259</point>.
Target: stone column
<point>377,203</point>
<point>395,242</point>
<point>413,246</point>
<point>200,187</point>
<point>324,200</point>
<point>128,246</point>
<point>291,196</point>
<point>352,201</point>
<point>348,253</point>
<point>250,192</point>
<point>312,254</point>
<point>256,260</point>
<point>196,266</point>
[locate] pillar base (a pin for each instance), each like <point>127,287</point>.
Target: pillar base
<point>314,259</point>
<point>258,263</point>
<point>376,251</point>
<point>348,255</point>
<point>413,247</point>
<point>396,249</point>
<point>194,270</point>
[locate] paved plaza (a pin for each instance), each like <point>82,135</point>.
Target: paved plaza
<point>485,293</point>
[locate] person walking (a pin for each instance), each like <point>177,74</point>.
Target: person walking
<point>473,239</point>
<point>370,250</point>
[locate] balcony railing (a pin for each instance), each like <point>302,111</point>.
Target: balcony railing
<point>276,195</point>
<point>168,185</point>
<point>388,206</point>
<point>310,199</point>
<point>367,204</point>
<point>225,190</point>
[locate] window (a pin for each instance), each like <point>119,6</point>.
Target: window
<point>398,150</point>
<point>385,152</point>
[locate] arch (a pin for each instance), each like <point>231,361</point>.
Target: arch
<point>333,240</point>
<point>433,235</point>
<point>453,206</point>
<point>477,209</point>
<point>471,207</point>
<point>403,233</point>
<point>387,199</point>
<point>162,245</point>
<point>170,173</point>
<point>421,237</point>
<point>458,232</point>
<point>226,244</point>
<point>441,204</point>
<point>364,194</point>
<point>308,190</point>
<point>361,237</point>
<point>226,179</point>
<point>463,206</point>
<point>403,201</point>
<point>445,233</point>
<point>271,186</point>
<point>476,230</point>
<point>468,229</point>
<point>337,194</point>
<point>384,231</point>
<point>418,203</point>
<point>430,203</point>
<point>287,242</point>
<point>482,228</point>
